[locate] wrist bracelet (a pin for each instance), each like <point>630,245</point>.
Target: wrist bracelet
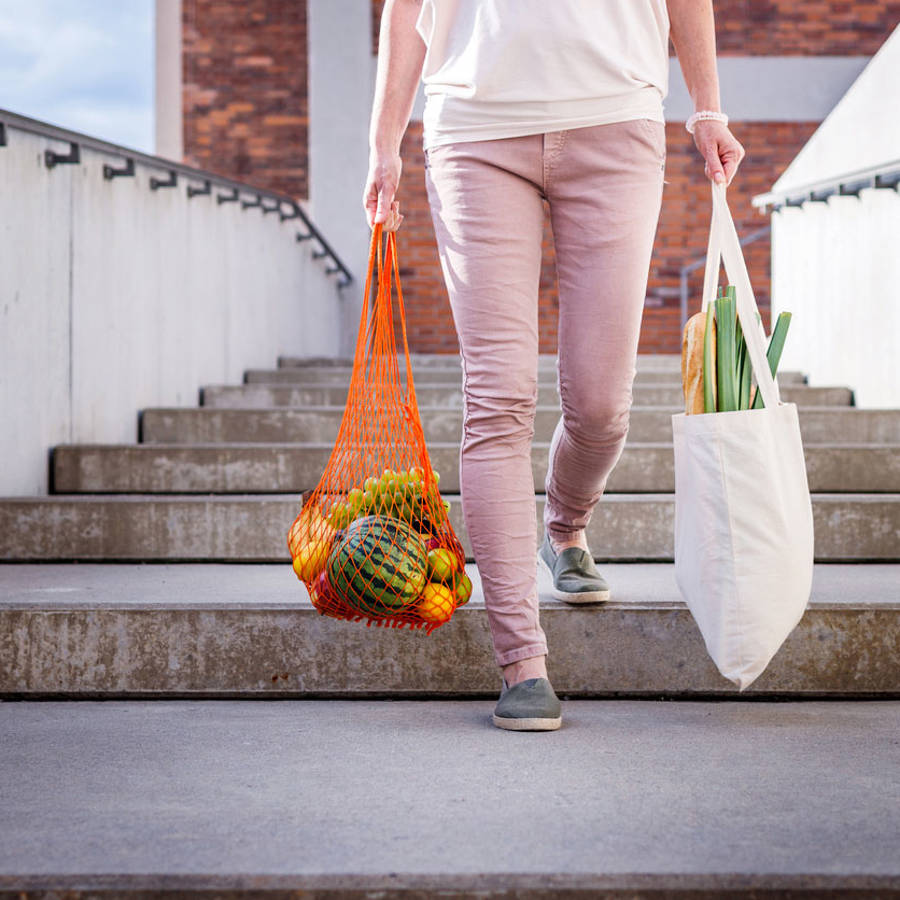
<point>702,114</point>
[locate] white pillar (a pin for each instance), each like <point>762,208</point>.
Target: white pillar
<point>168,102</point>
<point>341,88</point>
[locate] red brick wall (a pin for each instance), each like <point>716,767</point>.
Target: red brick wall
<point>245,90</point>
<point>803,27</point>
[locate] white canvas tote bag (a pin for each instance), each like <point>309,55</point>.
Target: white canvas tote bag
<point>743,516</point>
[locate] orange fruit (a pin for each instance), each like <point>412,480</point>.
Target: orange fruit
<point>436,603</point>
<point>309,526</point>
<point>310,560</point>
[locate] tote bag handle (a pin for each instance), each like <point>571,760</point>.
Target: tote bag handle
<point>725,244</point>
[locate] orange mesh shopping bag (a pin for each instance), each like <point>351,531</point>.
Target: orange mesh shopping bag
<point>373,540</point>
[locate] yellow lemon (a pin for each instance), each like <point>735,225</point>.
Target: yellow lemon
<point>310,560</point>
<point>436,604</point>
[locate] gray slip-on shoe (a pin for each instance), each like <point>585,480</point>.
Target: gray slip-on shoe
<point>574,575</point>
<point>530,705</point>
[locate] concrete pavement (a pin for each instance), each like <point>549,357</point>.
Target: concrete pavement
<point>803,791</point>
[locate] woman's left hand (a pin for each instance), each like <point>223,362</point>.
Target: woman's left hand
<point>720,148</point>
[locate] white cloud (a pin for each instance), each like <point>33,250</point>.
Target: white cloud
<point>81,64</point>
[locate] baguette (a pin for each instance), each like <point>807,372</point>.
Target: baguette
<point>692,363</point>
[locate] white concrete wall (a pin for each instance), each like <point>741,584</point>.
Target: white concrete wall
<point>114,297</point>
<point>836,265</point>
<point>341,88</point>
<point>837,269</point>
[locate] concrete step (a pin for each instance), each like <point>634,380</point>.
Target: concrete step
<point>286,468</point>
<point>646,362</point>
<point>266,395</point>
<point>313,425</point>
<point>450,375</point>
<point>425,362</point>
<point>353,799</point>
<point>438,882</point>
<point>253,527</point>
<point>250,631</point>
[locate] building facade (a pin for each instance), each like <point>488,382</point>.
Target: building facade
<point>236,92</point>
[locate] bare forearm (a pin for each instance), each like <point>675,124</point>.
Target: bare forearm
<point>692,29</point>
<point>401,53</point>
<point>693,32</point>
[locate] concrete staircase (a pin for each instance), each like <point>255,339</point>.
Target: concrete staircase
<point>155,578</point>
<point>208,493</point>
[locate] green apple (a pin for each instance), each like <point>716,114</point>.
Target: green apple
<point>463,589</point>
<point>442,564</point>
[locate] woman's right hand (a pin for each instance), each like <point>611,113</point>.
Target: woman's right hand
<point>381,188</point>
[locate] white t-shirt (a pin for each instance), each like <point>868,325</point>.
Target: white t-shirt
<point>503,68</point>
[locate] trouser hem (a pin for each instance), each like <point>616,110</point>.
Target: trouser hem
<point>511,656</point>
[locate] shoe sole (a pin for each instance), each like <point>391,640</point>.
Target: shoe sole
<point>576,597</point>
<point>537,724</point>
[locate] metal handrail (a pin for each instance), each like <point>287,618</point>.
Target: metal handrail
<point>701,261</point>
<point>883,176</point>
<point>76,141</point>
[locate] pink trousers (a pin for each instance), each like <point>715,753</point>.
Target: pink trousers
<point>603,185</point>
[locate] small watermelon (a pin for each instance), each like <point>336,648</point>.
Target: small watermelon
<point>378,565</point>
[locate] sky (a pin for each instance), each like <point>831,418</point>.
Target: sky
<point>87,65</point>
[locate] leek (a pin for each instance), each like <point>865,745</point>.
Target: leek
<point>773,354</point>
<point>742,369</point>
<point>709,362</point>
<point>725,353</point>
